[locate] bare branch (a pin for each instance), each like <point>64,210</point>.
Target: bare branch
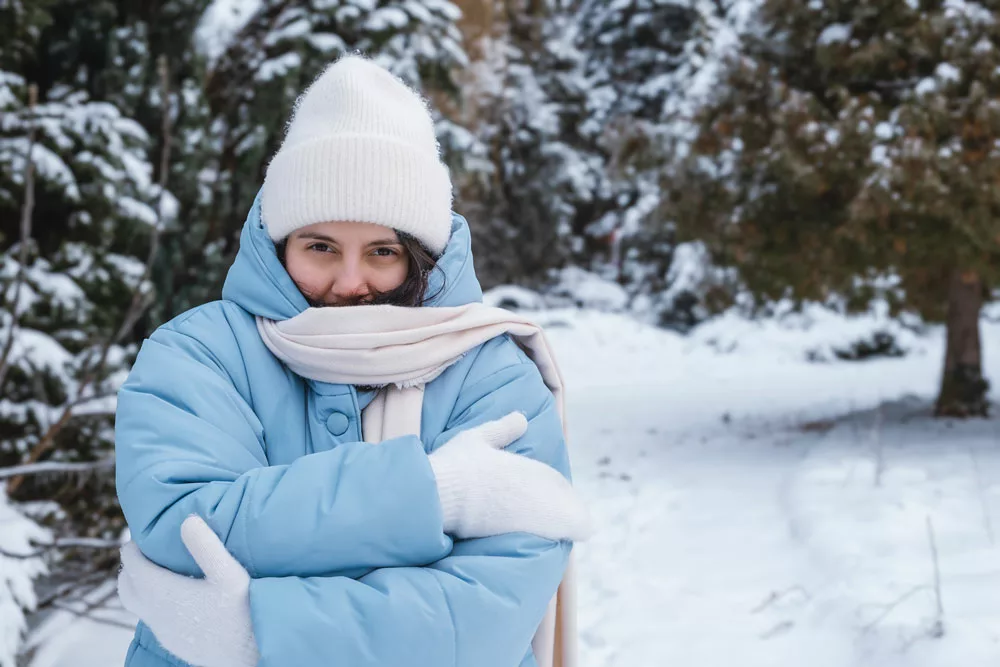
<point>65,543</point>
<point>92,606</point>
<point>26,210</point>
<point>41,447</point>
<point>891,606</point>
<point>85,543</point>
<point>83,400</point>
<point>70,588</point>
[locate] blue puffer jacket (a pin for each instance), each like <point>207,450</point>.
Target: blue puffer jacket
<point>343,539</point>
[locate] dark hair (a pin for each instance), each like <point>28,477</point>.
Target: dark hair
<point>411,293</point>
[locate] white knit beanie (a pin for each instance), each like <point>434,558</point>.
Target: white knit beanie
<point>360,147</point>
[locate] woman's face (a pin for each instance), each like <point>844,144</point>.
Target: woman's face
<point>345,263</point>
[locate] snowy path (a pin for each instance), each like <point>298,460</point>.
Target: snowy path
<point>744,527</point>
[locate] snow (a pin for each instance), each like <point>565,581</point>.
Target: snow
<point>41,351</point>
<point>132,208</point>
<point>726,24</point>
<point>513,297</point>
<point>445,8</point>
<point>102,640</point>
<point>974,12</point>
<point>222,20</point>
<point>8,98</point>
<point>17,537</point>
<point>60,289</point>
<point>688,267</point>
<point>278,67</point>
<point>880,156</point>
<point>68,121</point>
<point>296,29</point>
<point>48,164</point>
<point>767,511</point>
<point>387,18</point>
<point>755,508</point>
<point>168,206</point>
<point>884,131</point>
<point>327,42</point>
<point>983,47</point>
<point>948,72</point>
<point>130,268</point>
<point>582,288</point>
<point>927,86</point>
<point>815,334</point>
<point>835,33</point>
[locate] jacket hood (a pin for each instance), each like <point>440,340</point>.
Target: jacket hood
<point>258,283</point>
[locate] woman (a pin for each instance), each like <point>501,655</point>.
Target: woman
<point>245,431</point>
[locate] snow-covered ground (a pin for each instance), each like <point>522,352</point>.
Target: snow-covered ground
<point>757,509</point>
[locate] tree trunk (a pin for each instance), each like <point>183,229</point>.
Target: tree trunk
<point>963,387</point>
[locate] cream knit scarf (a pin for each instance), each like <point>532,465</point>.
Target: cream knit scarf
<point>401,349</point>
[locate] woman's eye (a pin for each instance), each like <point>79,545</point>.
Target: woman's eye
<point>385,252</point>
<point>319,247</point>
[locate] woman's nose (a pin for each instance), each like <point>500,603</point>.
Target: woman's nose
<point>350,281</point>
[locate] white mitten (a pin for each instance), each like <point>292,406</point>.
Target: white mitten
<point>205,622</point>
<point>486,491</point>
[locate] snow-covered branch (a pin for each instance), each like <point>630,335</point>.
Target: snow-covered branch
<point>49,467</point>
<point>141,298</point>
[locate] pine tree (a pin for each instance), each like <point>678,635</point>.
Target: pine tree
<point>189,261</point>
<point>533,184</point>
<point>851,155</point>
<point>639,56</point>
<point>642,57</point>
<point>560,91</point>
<point>524,201</point>
<point>77,209</point>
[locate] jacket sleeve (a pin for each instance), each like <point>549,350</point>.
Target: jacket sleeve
<point>188,443</point>
<point>478,606</point>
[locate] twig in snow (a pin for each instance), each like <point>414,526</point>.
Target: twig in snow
<point>937,627</point>
<point>937,630</point>
<point>853,420</point>
<point>879,453</point>
<point>26,209</point>
<point>891,606</point>
<point>779,629</point>
<point>778,595</point>
<point>987,517</point>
